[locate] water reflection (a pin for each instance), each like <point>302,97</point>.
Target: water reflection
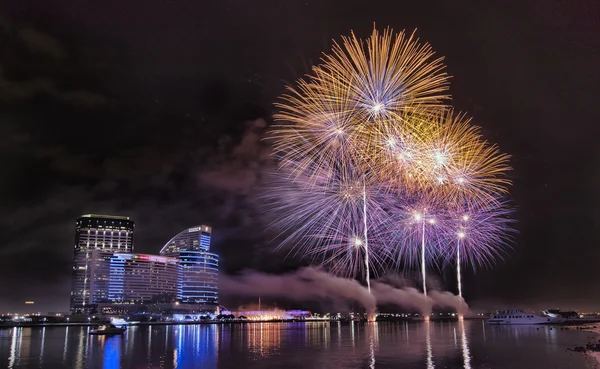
<point>455,342</point>
<point>64,357</point>
<point>373,341</point>
<point>264,338</point>
<point>428,344</point>
<point>483,326</point>
<point>112,352</point>
<point>465,345</point>
<point>41,360</point>
<point>149,342</point>
<point>15,346</point>
<point>80,350</point>
<point>294,345</point>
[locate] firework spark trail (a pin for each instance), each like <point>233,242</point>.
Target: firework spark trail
<point>484,230</point>
<point>452,163</point>
<point>324,217</point>
<point>356,85</point>
<point>415,221</point>
<point>458,274</point>
<point>372,117</point>
<point>442,155</point>
<point>388,74</point>
<point>464,167</point>
<point>367,270</point>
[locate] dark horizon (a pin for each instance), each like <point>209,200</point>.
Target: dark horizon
<point>158,112</point>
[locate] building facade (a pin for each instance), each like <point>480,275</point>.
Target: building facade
<point>107,272</point>
<point>96,233</point>
<point>124,278</point>
<point>141,278</point>
<point>199,268</point>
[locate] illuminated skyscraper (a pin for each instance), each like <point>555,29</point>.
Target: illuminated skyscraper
<point>141,278</point>
<point>102,233</point>
<point>199,268</point>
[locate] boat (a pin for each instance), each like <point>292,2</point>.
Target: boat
<point>519,317</point>
<point>108,330</point>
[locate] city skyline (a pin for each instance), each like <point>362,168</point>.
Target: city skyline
<point>107,272</point>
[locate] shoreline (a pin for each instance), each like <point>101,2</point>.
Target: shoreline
<point>92,324</point>
<point>591,350</point>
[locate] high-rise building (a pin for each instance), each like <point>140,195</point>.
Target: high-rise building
<point>123,278</point>
<point>96,232</point>
<point>199,268</point>
<point>195,238</point>
<point>106,271</point>
<point>99,276</point>
<point>141,278</point>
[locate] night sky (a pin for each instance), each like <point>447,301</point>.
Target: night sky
<point>156,109</point>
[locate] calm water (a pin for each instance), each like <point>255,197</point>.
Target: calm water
<point>469,344</point>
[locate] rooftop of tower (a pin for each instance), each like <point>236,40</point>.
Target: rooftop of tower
<point>104,216</point>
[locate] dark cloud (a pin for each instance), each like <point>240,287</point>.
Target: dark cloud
<point>240,171</point>
<point>41,43</point>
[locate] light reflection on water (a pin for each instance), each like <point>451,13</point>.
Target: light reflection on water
<point>423,345</point>
<point>428,345</point>
<point>465,345</point>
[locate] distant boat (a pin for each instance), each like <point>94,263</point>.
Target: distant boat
<point>519,317</point>
<point>107,330</point>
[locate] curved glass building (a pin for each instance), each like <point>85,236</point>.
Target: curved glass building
<point>199,268</point>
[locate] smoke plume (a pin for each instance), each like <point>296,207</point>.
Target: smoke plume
<point>311,284</point>
<point>407,297</point>
<point>302,285</point>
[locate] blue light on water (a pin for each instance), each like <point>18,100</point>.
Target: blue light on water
<point>112,353</point>
<point>196,347</point>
